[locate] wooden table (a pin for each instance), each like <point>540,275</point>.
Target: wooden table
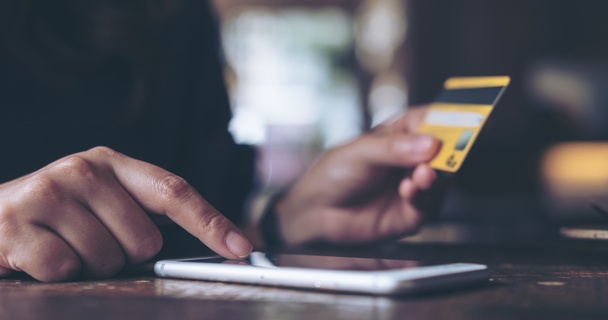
<point>559,279</point>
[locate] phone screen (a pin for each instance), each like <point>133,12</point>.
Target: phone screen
<point>268,260</point>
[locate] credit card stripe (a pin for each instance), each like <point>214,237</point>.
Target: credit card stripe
<point>476,82</point>
<point>470,95</point>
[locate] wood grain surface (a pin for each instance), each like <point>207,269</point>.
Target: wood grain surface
<point>562,280</point>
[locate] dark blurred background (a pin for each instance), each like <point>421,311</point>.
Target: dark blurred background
<point>305,75</point>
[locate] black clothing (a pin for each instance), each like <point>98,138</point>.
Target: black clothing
<point>183,129</point>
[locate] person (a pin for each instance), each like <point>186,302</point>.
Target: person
<point>114,136</point>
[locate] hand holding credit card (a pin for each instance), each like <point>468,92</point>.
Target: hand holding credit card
<point>458,114</point>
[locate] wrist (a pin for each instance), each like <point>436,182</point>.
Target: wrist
<point>270,228</point>
<point>263,226</point>
<point>300,220</point>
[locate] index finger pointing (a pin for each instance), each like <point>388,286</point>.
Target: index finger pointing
<point>162,192</point>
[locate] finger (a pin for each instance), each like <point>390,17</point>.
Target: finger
<point>394,150</point>
<point>408,122</point>
<point>424,177</point>
<point>405,219</point>
<point>424,191</point>
<point>124,219</point>
<point>115,212</point>
<point>160,191</point>
<point>43,255</point>
<point>407,189</point>
<point>100,254</point>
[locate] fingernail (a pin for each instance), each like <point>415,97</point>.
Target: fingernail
<point>238,245</point>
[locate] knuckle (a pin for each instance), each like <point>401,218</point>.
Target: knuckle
<point>76,166</point>
<point>172,188</point>
<point>334,160</point>
<point>42,186</point>
<point>338,173</point>
<point>210,221</point>
<point>103,152</point>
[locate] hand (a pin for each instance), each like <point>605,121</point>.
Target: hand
<point>374,188</point>
<point>84,215</point>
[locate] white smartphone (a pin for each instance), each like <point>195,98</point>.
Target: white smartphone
<point>328,273</point>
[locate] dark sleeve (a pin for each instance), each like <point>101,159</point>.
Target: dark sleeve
<point>222,170</point>
<point>212,162</point>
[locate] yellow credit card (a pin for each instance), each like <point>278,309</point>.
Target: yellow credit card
<point>458,114</point>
